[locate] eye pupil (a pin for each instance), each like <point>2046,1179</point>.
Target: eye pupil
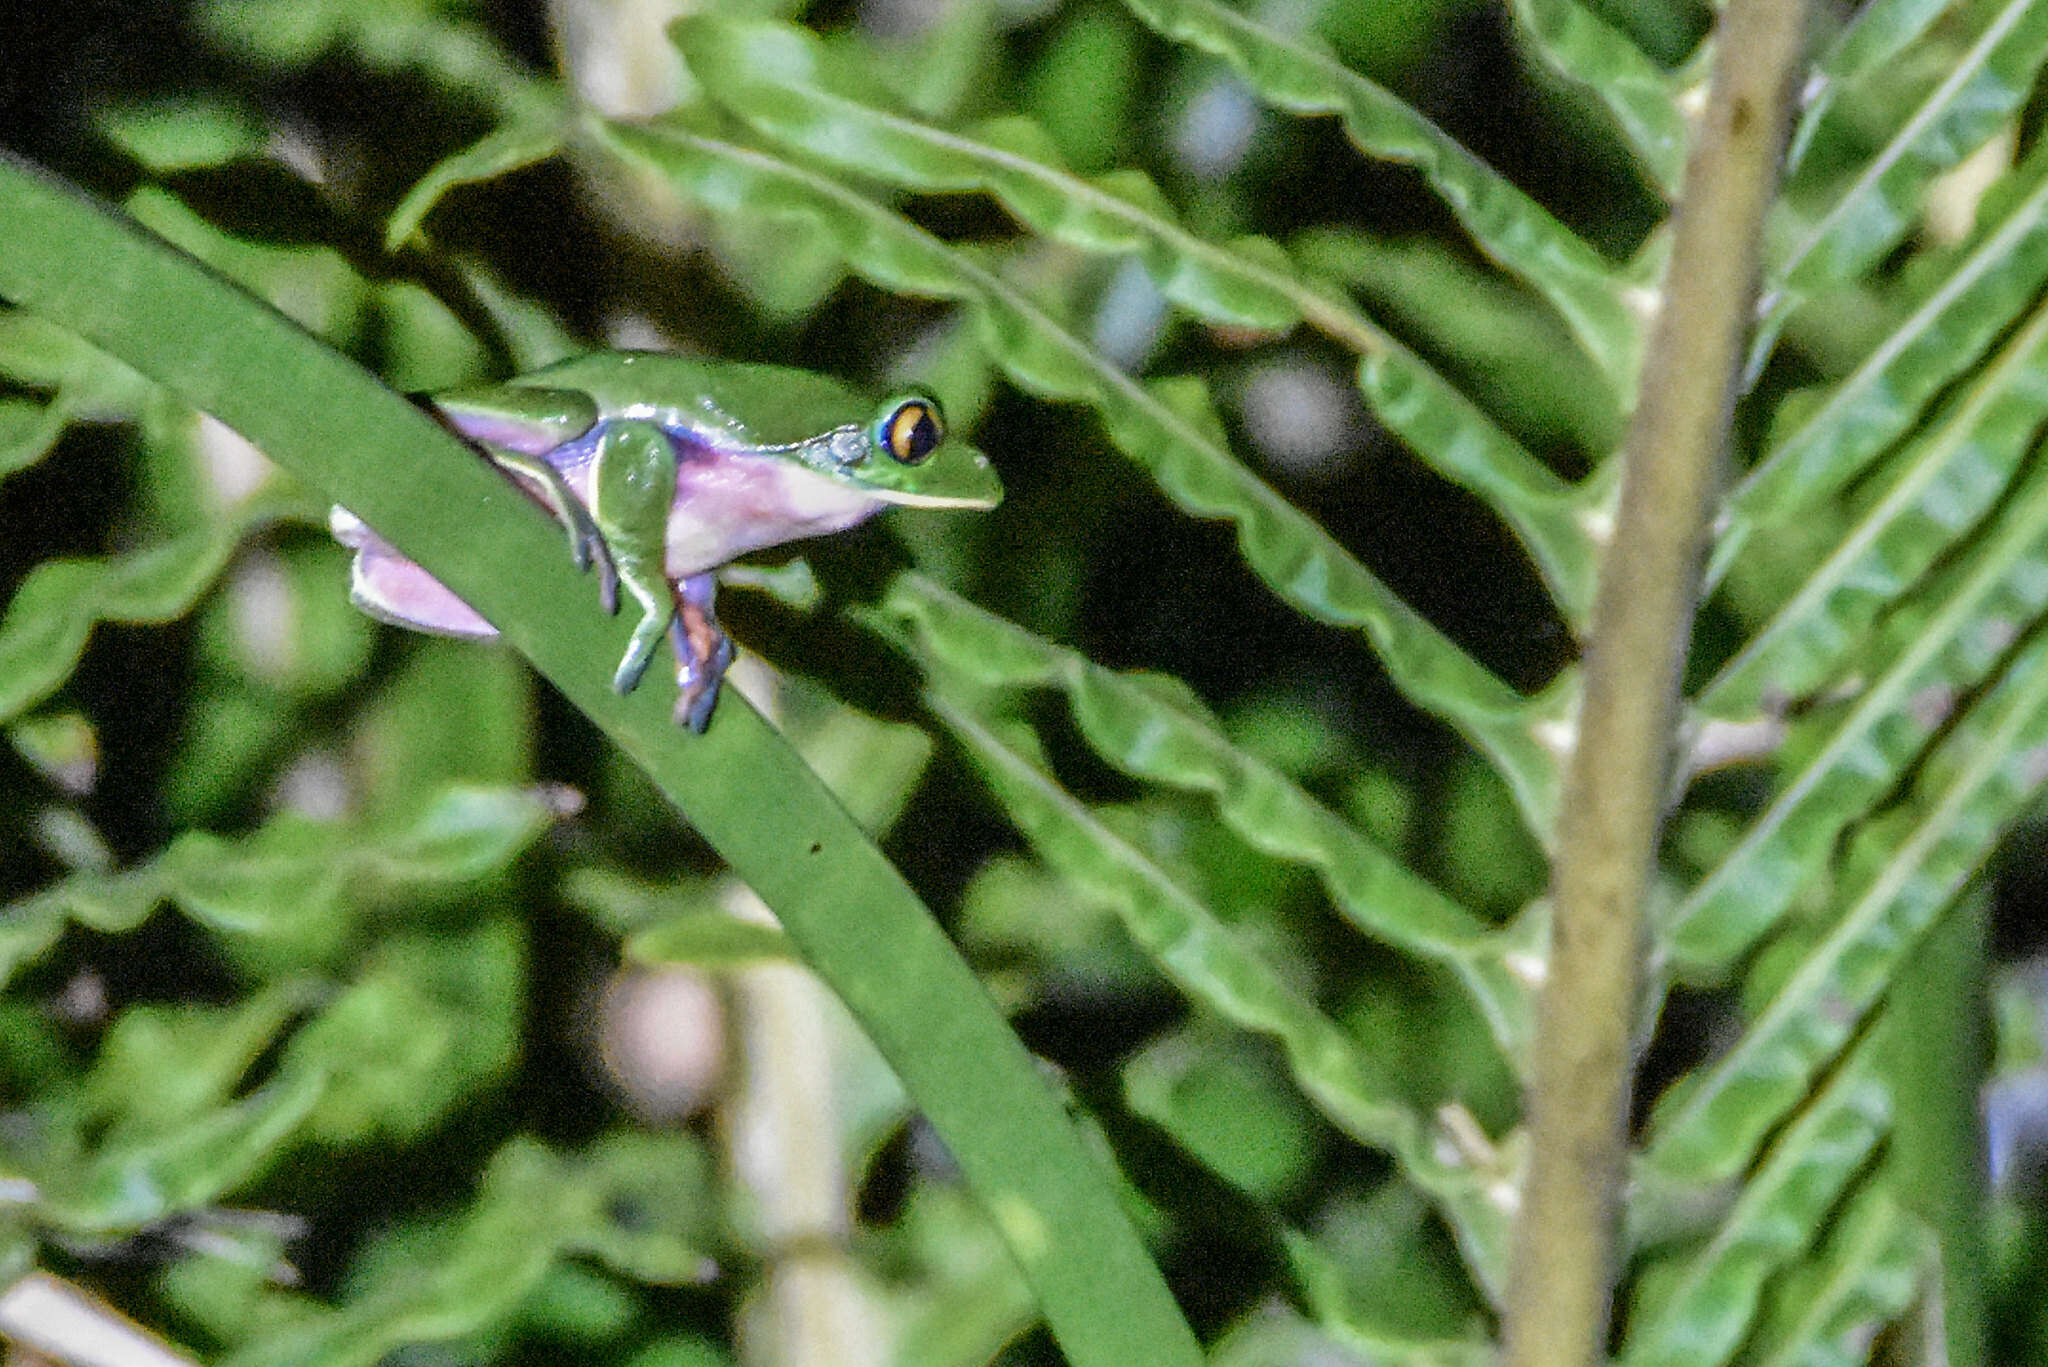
<point>913,432</point>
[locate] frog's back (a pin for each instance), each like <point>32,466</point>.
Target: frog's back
<point>724,402</point>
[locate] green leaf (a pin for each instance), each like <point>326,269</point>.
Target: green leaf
<point>1825,1313</point>
<point>1697,1314</point>
<point>1221,1100</point>
<point>429,1022</point>
<point>1933,493</point>
<point>1965,620</point>
<point>1489,337</point>
<point>780,79</point>
<point>84,383</point>
<point>1508,226</point>
<point>634,1201</point>
<point>1910,868</point>
<point>160,1065</point>
<point>1154,732</point>
<point>148,1174</point>
<point>739,785</point>
<point>1584,49</point>
<point>1553,520</point>
<point>1954,315</point>
<point>47,624</point>
<point>1167,427</point>
<point>509,147</point>
<point>1373,1275</point>
<point>293,892</point>
<point>183,134</point>
<point>1214,966</point>
<point>451,52</point>
<point>1880,31</point>
<point>1977,93</point>
<point>708,939</point>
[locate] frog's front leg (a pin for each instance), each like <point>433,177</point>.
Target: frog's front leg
<point>703,651</point>
<point>632,487</point>
<point>586,543</point>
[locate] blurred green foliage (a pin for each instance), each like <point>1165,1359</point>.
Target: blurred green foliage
<point>1228,749</point>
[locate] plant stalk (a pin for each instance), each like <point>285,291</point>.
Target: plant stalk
<point>1561,1276</point>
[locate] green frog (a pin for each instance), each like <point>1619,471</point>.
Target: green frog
<point>662,469</point>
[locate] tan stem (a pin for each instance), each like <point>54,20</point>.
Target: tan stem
<point>1562,1273</point>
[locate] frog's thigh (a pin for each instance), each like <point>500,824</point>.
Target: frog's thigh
<point>393,589</point>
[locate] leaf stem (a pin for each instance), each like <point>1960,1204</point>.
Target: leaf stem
<point>1561,1272</point>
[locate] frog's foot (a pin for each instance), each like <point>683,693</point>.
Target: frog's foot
<point>703,651</point>
<point>657,613</point>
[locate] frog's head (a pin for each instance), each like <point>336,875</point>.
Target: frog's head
<point>903,455</point>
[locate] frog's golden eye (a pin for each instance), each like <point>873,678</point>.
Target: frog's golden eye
<point>913,430</point>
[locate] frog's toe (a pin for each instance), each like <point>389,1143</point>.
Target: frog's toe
<point>693,708</point>
<point>638,656</point>
<point>596,549</point>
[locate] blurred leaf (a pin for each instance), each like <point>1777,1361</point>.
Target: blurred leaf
<point>429,1022</point>
<point>161,1065</point>
<point>83,384</point>
<point>1575,42</point>
<point>1507,225</point>
<point>635,1202</point>
<point>957,1300</point>
<point>1155,731</point>
<point>432,39</point>
<point>52,614</point>
<point>1274,1335</point>
<point>61,746</point>
<point>1877,33</point>
<point>296,890</point>
<point>1498,343</point>
<point>707,939</point>
<point>509,147</point>
<point>1376,1277</point>
<point>1225,1103</point>
<point>1825,1312</point>
<point>148,1173</point>
<point>183,134</point>
<point>1084,89</point>
<point>405,752</point>
<point>1213,966</point>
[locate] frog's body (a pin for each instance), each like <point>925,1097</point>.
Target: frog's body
<point>663,468</point>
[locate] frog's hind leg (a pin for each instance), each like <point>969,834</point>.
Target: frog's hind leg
<point>703,651</point>
<point>391,588</point>
<point>632,489</point>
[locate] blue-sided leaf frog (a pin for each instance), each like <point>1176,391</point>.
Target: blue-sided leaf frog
<point>663,468</point>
